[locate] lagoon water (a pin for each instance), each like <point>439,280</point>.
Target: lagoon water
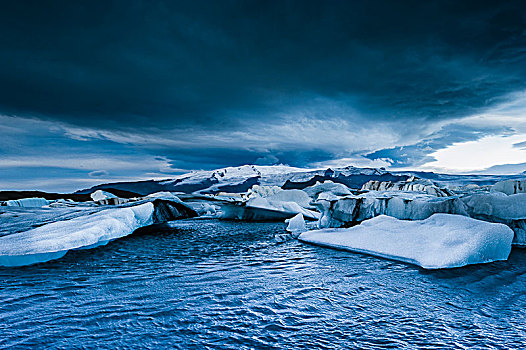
<point>206,284</point>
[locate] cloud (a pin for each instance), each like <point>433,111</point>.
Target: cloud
<point>98,173</point>
<point>137,64</point>
<point>267,160</point>
<point>136,88</point>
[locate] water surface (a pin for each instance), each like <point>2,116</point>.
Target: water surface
<point>205,284</point>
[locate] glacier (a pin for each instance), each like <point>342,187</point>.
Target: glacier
<point>440,241</point>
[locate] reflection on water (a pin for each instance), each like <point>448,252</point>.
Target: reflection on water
<point>225,285</point>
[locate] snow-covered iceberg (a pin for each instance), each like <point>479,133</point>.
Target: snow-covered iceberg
<point>27,202</point>
<point>440,241</point>
<point>53,240</point>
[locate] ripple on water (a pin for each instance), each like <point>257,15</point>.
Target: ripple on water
<point>226,285</point>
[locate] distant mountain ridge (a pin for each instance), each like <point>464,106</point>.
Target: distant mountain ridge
<point>240,179</point>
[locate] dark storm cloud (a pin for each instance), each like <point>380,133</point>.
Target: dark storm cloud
<point>135,63</point>
<point>140,88</point>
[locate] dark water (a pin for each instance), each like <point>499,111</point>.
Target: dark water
<point>221,285</point>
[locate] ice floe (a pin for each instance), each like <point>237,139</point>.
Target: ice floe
<point>82,228</point>
<point>440,241</point>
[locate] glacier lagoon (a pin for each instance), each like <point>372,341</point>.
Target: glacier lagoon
<point>201,284</point>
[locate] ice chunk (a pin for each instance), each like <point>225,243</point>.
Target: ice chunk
<point>296,224</point>
<point>286,209</point>
<point>510,186</point>
<point>412,184</point>
<point>351,210</point>
<point>54,240</point>
<point>496,206</point>
<point>499,207</point>
<point>100,195</point>
<point>27,202</point>
<point>327,187</point>
<point>83,228</point>
<point>169,196</point>
<point>262,191</point>
<point>440,241</point>
<point>296,196</point>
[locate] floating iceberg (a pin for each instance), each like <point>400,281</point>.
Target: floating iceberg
<point>101,195</point>
<point>327,187</point>
<point>53,240</point>
<point>499,207</point>
<point>440,241</point>
<point>351,210</point>
<point>268,204</point>
<point>106,198</point>
<point>27,202</point>
<point>289,202</point>
<point>296,224</point>
<point>510,187</point>
<point>411,185</point>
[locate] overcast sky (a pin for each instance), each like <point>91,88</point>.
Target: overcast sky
<point>95,92</point>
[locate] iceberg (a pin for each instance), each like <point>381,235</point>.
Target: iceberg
<point>104,198</point>
<point>351,210</point>
<point>53,240</point>
<point>499,207</point>
<point>296,224</point>
<point>510,187</point>
<point>412,184</point>
<point>27,202</point>
<point>440,241</point>
<point>289,202</point>
<point>100,195</point>
<point>266,203</point>
<point>327,187</point>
